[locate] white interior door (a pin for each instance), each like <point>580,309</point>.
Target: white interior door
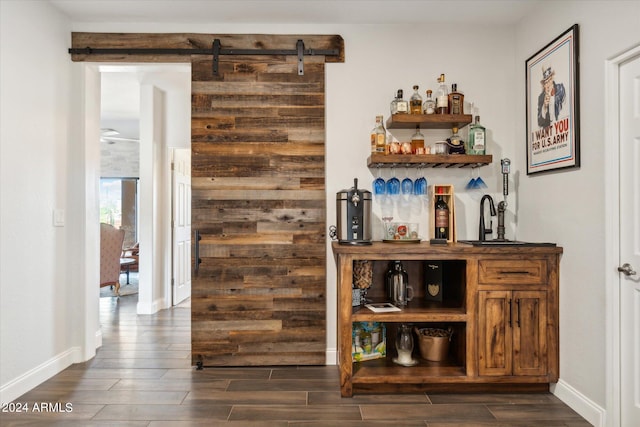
<point>630,242</point>
<point>181,177</point>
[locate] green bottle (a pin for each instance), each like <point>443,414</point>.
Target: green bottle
<point>476,143</point>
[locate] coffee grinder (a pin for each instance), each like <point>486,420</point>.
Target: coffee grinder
<point>353,210</point>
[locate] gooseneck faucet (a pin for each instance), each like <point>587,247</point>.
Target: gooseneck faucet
<point>482,231</point>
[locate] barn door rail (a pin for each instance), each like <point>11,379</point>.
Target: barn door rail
<point>216,51</point>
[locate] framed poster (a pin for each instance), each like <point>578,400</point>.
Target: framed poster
<point>553,125</point>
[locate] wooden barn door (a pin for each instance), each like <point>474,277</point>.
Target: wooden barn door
<point>258,204</point>
<point>258,191</point>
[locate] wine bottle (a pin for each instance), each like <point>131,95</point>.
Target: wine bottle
<point>441,219</point>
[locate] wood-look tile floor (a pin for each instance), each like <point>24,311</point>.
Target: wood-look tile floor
<point>142,376</point>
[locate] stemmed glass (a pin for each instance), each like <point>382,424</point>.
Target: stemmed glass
<point>407,185</point>
<point>420,193</point>
<point>379,185</point>
<point>393,184</point>
<point>420,184</point>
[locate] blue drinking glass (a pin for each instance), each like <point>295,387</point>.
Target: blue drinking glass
<point>393,186</point>
<point>407,186</point>
<point>379,186</point>
<point>420,186</point>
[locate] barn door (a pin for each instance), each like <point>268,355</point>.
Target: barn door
<point>258,206</point>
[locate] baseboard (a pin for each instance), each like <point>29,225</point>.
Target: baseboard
<point>98,339</point>
<point>586,408</point>
<point>150,308</point>
<point>331,357</point>
<point>36,376</point>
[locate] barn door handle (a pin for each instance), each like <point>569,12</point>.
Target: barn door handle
<point>197,252</point>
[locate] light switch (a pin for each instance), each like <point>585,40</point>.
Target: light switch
<point>58,217</point>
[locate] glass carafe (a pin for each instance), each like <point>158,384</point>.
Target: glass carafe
<point>404,346</point>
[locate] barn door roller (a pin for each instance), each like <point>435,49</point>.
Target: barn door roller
<point>216,51</point>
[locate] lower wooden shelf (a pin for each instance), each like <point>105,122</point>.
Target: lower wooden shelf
<point>385,370</point>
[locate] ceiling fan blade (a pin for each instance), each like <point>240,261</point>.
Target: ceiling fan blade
<point>118,139</point>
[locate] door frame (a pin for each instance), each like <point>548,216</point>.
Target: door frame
<point>612,232</point>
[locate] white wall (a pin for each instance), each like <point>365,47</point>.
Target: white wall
<point>38,297</point>
<point>569,207</point>
<point>487,62</point>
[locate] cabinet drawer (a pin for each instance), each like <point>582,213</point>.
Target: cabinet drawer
<point>513,271</point>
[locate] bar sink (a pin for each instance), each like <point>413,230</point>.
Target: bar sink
<point>504,243</point>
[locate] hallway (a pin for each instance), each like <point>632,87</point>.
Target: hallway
<point>142,377</point>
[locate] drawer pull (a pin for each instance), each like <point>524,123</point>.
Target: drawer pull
<point>514,272</point>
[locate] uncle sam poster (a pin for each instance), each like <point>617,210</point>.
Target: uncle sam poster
<point>552,105</point>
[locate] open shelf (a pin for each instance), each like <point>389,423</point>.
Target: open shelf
<point>415,311</point>
<point>428,121</point>
<point>428,160</point>
<point>373,370</point>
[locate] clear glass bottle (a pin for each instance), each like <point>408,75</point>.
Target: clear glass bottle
<point>456,100</point>
<point>442,97</point>
<point>455,143</point>
<point>378,136</point>
<point>399,105</point>
<point>477,138</point>
<point>416,101</point>
<point>417,140</point>
<point>429,105</point>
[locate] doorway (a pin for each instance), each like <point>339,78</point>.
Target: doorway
<point>622,203</point>
<point>149,115</point>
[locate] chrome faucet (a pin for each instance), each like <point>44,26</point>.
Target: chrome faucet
<point>482,231</point>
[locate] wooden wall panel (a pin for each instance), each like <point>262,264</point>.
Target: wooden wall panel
<point>259,201</point>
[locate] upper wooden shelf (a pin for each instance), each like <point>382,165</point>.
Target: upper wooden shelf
<point>428,160</point>
<point>428,121</point>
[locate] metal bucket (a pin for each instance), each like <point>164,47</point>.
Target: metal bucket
<point>434,343</point>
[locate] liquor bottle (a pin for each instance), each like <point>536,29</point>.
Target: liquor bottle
<point>399,105</point>
<point>456,100</point>
<point>455,143</point>
<point>416,101</point>
<point>441,216</point>
<point>378,137</point>
<point>365,340</point>
<point>429,106</point>
<point>442,97</point>
<point>477,138</point>
<point>417,140</point>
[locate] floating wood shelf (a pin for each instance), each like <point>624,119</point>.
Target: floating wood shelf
<point>428,121</point>
<point>428,160</point>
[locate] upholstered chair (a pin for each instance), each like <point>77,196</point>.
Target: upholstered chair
<point>111,240</point>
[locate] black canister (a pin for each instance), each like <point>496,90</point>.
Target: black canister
<point>353,210</point>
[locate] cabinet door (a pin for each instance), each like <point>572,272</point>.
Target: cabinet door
<point>494,333</point>
<point>529,333</point>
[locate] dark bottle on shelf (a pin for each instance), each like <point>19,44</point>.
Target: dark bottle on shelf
<point>456,100</point>
<point>441,213</point>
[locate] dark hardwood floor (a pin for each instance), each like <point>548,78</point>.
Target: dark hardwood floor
<point>141,376</point>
